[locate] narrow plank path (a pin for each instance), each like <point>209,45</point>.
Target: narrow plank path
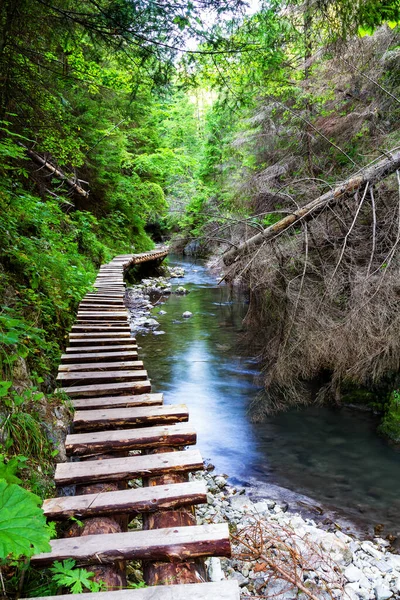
<point>123,432</point>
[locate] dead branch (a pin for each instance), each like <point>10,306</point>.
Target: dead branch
<point>368,175</point>
<point>54,171</point>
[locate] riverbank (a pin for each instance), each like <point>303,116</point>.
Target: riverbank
<point>281,554</point>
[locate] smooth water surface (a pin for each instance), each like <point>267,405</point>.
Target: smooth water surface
<point>332,456</point>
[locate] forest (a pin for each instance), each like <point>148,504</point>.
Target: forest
<point>263,136</point>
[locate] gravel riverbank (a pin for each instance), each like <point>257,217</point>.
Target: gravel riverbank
<point>273,547</point>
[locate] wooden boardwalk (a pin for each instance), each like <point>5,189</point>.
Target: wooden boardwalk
<point>122,432</point>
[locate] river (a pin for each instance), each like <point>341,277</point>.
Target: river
<point>332,456</point>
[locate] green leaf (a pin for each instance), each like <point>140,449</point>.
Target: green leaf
<point>4,387</point>
<point>8,470</point>
<point>64,574</point>
<point>22,523</point>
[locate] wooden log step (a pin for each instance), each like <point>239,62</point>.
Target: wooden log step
<point>119,323</point>
<point>221,590</point>
<point>102,366</point>
<point>78,444</point>
<point>108,287</point>
<point>118,401</point>
<point>101,327</point>
<point>90,420</point>
<point>101,341</point>
<point>101,306</point>
<point>105,389</point>
<point>129,501</point>
<point>110,354</point>
<point>103,334</point>
<point>118,285</point>
<point>102,302</point>
<point>100,316</point>
<point>175,543</point>
<point>101,376</point>
<point>105,294</point>
<point>128,467</point>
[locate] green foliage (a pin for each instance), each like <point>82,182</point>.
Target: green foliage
<point>390,426</point>
<point>23,529</point>
<point>77,580</point>
<point>9,469</point>
<point>21,427</point>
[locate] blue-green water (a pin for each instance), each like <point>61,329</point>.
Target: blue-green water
<point>333,456</point>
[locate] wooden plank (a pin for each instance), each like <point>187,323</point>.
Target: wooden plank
<point>118,401</point>
<point>90,420</point>
<point>91,306</point>
<point>89,357</point>
<point>221,590</point>
<point>129,501</point>
<point>130,439</point>
<point>105,295</point>
<point>103,315</point>
<point>118,323</point>
<point>93,349</point>
<point>105,389</point>
<point>104,334</point>
<point>128,467</point>
<point>175,543</point>
<point>101,327</point>
<point>100,341</point>
<point>100,366</point>
<point>102,302</point>
<point>85,377</point>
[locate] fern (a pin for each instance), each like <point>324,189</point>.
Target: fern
<point>77,580</point>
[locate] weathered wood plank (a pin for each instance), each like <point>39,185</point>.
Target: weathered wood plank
<point>113,354</point>
<point>118,401</point>
<point>158,544</point>
<point>105,302</point>
<point>130,439</point>
<point>103,306</point>
<point>126,501</point>
<point>90,420</point>
<point>85,377</point>
<point>102,327</point>
<point>221,590</point>
<point>105,334</point>
<point>101,366</point>
<point>105,389</point>
<point>130,467</point>
<point>92,349</point>
<point>100,341</point>
<point>118,323</point>
<point>102,315</point>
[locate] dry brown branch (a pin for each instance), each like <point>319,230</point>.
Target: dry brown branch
<point>371,174</point>
<point>280,553</point>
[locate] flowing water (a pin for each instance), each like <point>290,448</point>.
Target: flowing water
<point>332,456</point>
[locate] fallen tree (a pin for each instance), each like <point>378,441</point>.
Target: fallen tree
<point>369,175</point>
<point>56,172</point>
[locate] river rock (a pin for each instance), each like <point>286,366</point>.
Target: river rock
<point>353,573</point>
<point>241,502</point>
<point>187,314</point>
<point>150,323</point>
<point>382,592</point>
<point>181,291</point>
<point>214,569</point>
<point>162,312</point>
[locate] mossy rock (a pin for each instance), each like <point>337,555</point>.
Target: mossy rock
<point>390,426</point>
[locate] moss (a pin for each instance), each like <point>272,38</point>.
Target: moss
<point>390,426</point>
